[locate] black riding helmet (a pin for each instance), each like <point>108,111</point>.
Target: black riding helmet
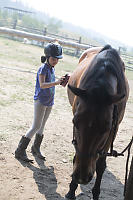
<point>53,50</point>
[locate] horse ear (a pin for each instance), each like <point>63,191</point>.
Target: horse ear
<point>77,91</point>
<point>117,98</point>
<point>105,48</point>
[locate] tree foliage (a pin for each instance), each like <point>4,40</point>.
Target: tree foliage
<point>54,25</point>
<point>27,20</point>
<point>31,22</point>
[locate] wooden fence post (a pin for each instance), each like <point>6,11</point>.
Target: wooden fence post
<point>15,24</point>
<point>44,32</point>
<point>119,50</point>
<point>77,51</point>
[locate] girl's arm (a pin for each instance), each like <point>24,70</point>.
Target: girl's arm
<point>44,84</point>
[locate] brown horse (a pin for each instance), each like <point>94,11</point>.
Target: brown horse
<point>98,92</point>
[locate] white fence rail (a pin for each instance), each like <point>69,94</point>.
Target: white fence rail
<point>41,38</point>
<point>13,32</point>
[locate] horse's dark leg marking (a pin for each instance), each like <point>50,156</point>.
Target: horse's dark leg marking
<point>100,168</point>
<point>72,188</point>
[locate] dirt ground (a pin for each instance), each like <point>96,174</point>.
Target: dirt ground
<point>49,180</point>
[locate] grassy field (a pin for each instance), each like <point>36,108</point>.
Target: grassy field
<point>27,57</point>
<point>18,66</point>
<point>16,57</point>
<point>129,74</point>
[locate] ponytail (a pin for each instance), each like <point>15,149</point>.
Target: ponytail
<point>43,59</point>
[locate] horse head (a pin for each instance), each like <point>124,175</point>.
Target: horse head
<point>99,90</point>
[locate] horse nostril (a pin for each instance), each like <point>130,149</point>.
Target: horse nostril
<point>82,179</point>
<point>86,180</point>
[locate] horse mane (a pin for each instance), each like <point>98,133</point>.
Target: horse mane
<point>111,63</point>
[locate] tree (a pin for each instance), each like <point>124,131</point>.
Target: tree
<point>53,25</point>
<point>31,22</point>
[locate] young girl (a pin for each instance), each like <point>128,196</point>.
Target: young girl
<point>43,101</point>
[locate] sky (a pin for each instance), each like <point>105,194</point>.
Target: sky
<point>112,18</point>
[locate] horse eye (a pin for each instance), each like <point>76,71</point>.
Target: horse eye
<point>76,126</point>
<point>90,124</point>
<point>74,122</point>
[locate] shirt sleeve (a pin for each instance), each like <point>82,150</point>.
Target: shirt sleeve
<point>43,70</point>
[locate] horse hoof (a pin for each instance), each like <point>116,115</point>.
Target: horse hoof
<point>70,196</point>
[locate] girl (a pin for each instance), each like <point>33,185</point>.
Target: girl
<point>43,101</point>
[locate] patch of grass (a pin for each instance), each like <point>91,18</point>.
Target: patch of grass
<point>24,56</point>
<point>130,100</point>
<point>66,65</point>
<point>29,83</point>
<point>3,137</point>
<point>7,43</point>
<point>2,92</point>
<point>129,74</point>
<point>4,103</point>
<point>17,97</point>
<point>71,156</point>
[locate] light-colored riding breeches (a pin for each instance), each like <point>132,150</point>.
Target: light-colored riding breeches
<point>41,114</point>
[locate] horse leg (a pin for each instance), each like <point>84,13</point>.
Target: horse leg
<point>100,168</point>
<point>72,188</point>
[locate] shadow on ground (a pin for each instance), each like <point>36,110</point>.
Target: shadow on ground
<point>111,187</point>
<point>45,179</point>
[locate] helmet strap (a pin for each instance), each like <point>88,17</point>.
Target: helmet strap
<point>48,62</point>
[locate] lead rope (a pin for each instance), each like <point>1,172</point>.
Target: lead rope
<point>127,162</point>
<point>114,127</point>
<point>115,153</point>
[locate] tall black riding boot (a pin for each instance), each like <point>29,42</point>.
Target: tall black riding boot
<point>36,146</point>
<point>20,152</point>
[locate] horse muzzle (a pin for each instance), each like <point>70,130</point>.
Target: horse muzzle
<point>82,179</point>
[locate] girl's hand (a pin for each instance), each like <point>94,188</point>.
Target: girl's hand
<point>65,80</point>
<point>60,80</point>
